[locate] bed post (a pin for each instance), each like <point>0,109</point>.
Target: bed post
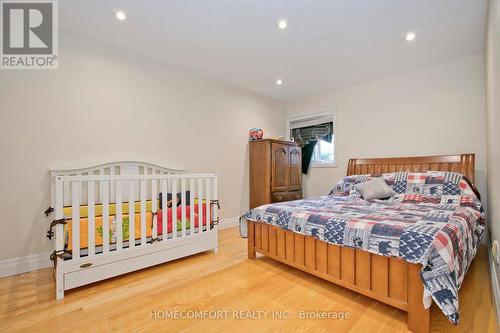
<point>59,237</point>
<point>251,239</point>
<point>418,316</point>
<point>215,213</point>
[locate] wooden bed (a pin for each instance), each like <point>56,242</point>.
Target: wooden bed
<point>389,280</point>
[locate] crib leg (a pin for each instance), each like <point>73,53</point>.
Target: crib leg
<point>59,279</point>
<point>216,250</point>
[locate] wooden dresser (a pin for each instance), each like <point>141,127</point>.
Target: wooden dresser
<point>275,172</point>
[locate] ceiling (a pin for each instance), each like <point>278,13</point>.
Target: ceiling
<point>328,45</point>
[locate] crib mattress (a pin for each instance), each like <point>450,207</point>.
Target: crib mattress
<point>98,222</point>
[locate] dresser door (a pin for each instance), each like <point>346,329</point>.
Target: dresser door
<point>279,167</point>
<point>295,165</point>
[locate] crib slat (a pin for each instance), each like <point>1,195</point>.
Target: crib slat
<point>164,210</point>
<point>75,208</point>
<point>119,216</point>
<point>101,174</point>
<point>112,184</point>
<point>215,211</point>
<point>208,192</point>
<point>191,207</point>
<point>91,217</point>
<point>59,214</point>
<point>174,208</point>
<point>183,206</point>
<point>200,205</point>
<point>143,188</point>
<point>104,187</point>
<point>131,214</point>
<point>154,207</point>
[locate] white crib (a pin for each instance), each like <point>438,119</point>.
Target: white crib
<point>127,191</point>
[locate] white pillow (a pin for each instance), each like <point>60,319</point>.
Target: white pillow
<point>375,188</point>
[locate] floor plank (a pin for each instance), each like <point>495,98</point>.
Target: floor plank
<point>223,282</point>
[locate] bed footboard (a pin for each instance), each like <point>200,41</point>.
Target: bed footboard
<point>389,280</point>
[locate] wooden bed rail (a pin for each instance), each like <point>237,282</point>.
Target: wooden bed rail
<point>389,280</point>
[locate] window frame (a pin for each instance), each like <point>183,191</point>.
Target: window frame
<point>331,112</point>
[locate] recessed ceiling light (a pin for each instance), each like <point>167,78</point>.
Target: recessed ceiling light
<point>279,82</point>
<point>282,24</point>
<point>121,16</point>
<point>410,36</point>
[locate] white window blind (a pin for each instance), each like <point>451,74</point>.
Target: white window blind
<point>311,121</point>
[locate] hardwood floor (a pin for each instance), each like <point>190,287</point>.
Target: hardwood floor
<point>226,281</point>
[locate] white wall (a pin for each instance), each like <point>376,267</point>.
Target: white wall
<point>102,105</point>
<point>493,117</point>
<point>437,110</point>
<point>86,113</point>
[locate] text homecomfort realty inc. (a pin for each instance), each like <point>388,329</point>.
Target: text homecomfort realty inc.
<point>248,314</point>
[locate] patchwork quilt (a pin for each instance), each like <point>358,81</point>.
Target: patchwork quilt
<point>435,219</point>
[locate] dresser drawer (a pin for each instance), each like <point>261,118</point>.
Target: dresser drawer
<point>286,196</point>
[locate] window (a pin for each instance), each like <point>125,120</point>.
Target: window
<point>323,152</point>
<point>315,130</point>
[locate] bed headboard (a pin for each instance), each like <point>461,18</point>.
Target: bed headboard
<point>462,163</point>
<point>118,168</point>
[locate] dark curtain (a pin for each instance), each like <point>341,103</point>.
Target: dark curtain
<point>308,137</point>
<point>307,153</point>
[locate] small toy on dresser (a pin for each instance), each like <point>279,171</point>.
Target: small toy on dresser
<point>255,134</point>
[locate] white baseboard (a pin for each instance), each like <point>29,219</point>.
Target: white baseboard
<point>495,287</point>
<point>34,262</point>
<point>24,264</point>
<point>229,222</point>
